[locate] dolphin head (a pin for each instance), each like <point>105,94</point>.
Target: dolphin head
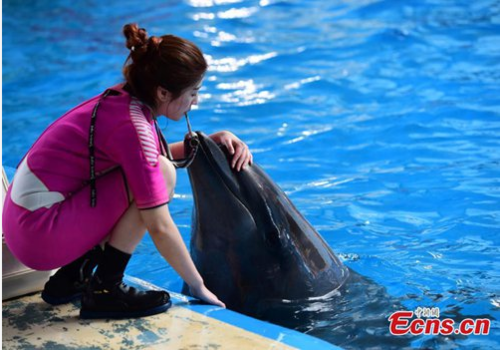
<point>248,240</point>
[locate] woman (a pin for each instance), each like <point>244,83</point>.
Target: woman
<point>100,172</point>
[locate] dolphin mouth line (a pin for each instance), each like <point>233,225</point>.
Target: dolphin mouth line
<point>333,293</point>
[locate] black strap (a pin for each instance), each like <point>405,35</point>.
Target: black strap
<point>165,150</point>
<point>93,191</point>
<point>181,163</point>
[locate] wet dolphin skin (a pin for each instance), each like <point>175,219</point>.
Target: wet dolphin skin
<point>251,245</point>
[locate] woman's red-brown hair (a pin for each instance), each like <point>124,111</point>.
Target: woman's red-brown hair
<point>168,61</point>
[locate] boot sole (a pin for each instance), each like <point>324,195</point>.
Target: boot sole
<point>52,300</point>
<point>88,314</point>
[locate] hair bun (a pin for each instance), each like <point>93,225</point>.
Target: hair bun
<point>137,39</point>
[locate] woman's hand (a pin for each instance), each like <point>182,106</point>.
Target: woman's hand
<point>204,294</point>
<point>237,148</point>
<point>168,241</point>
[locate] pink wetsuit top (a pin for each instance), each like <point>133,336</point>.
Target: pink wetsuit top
<point>56,170</point>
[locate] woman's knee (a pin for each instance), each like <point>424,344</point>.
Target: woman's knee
<point>169,174</point>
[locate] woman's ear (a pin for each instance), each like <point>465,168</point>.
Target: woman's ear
<point>163,95</point>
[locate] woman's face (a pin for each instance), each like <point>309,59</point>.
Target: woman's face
<point>175,109</point>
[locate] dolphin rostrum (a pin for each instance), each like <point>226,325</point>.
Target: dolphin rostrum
<point>251,245</point>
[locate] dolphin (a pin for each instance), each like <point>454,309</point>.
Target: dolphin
<point>249,242</point>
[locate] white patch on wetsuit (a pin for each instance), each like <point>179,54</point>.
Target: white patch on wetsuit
<point>29,192</point>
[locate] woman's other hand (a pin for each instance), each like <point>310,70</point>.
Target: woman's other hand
<point>204,294</point>
<point>237,148</point>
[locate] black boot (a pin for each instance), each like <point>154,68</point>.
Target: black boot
<point>70,280</point>
<point>106,296</point>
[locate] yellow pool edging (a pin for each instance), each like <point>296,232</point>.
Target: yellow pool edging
<point>30,323</point>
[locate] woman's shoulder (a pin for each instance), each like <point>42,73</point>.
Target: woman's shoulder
<point>119,106</point>
<point>119,89</point>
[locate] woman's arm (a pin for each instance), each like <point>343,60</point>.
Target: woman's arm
<point>177,150</point>
<point>241,154</point>
<point>169,243</point>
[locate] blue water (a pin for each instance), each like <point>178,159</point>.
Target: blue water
<point>380,119</point>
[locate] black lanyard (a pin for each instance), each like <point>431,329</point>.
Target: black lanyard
<point>93,191</point>
<point>165,150</point>
<point>193,143</point>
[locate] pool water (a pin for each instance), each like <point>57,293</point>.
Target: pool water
<point>380,119</point>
